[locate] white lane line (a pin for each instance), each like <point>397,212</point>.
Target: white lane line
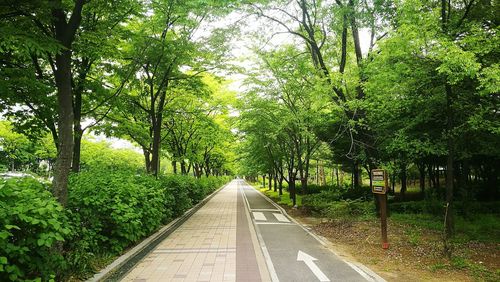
<point>358,270</point>
<point>274,223</point>
<point>269,210</point>
<point>259,216</point>
<point>265,252</point>
<point>280,217</point>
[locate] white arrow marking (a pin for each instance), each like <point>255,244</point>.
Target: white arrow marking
<point>309,261</point>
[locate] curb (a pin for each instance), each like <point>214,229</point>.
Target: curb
<point>121,266</point>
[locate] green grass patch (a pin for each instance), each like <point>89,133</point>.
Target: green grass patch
<point>283,199</point>
<point>481,227</point>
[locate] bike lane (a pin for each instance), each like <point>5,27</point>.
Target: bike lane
<point>292,253</point>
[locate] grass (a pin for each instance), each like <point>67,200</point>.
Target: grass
<point>281,200</point>
<point>482,227</point>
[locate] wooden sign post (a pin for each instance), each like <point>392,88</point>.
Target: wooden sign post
<point>379,185</point>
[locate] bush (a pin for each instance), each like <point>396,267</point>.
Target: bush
<point>313,188</point>
<point>177,188</point>
<point>189,191</point>
<point>31,224</point>
<point>110,210</point>
<point>340,203</point>
<point>347,209</point>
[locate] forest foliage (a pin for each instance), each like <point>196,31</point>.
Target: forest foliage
<point>410,86</point>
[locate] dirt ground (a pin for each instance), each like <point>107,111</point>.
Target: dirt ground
<point>413,255</point>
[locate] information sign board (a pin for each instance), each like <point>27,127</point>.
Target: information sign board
<point>379,181</point>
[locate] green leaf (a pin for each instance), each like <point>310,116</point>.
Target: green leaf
<point>40,242</point>
<point>8,227</point>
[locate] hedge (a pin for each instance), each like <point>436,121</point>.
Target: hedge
<point>108,211</point>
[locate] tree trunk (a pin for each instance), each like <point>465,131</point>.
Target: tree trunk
<point>280,185</point>
<point>421,170</point>
<point>449,168</point>
<point>174,167</point>
<point>155,154</point>
<point>291,188</point>
<point>355,174</point>
<point>275,181</point>
<point>78,134</point>
<point>429,171</point>
<point>403,180</point>
<point>65,34</point>
<point>147,159</point>
<point>337,174</point>
<point>65,126</point>
<point>270,182</point>
<point>183,168</point>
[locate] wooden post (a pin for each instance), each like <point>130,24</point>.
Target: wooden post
<point>383,219</point>
<point>379,186</point>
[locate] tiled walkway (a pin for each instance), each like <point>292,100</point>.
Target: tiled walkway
<point>204,248</point>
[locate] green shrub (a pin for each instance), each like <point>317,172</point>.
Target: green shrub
<point>31,224</point>
<point>349,209</point>
<point>313,188</point>
<point>110,210</point>
<point>332,204</point>
<point>176,189</point>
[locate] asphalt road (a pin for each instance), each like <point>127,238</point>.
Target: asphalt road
<point>291,252</point>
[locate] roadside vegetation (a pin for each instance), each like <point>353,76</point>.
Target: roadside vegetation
<point>321,111</point>
<point>331,90</point>
<point>112,205</point>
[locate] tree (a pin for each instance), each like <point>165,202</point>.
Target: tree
<point>167,52</point>
<point>57,23</point>
<point>439,55</point>
<point>328,31</point>
<point>16,149</point>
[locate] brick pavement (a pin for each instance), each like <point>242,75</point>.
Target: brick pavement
<point>217,243</point>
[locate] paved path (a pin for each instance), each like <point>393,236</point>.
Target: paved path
<point>239,235</point>
<point>217,243</point>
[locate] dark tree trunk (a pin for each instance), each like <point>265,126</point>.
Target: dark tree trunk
<point>437,176</point>
<point>77,128</point>
<point>291,188</point>
<point>155,154</point>
<point>421,170</point>
<point>355,174</point>
<point>393,183</point>
<point>270,184</point>
<point>280,185</point>
<point>275,175</point>
<point>403,180</point>
<point>174,167</point>
<point>429,171</point>
<point>449,220</point>
<point>65,33</point>
<point>147,159</point>
<point>303,185</point>
<point>77,148</point>
<point>183,167</point>
<point>65,126</point>
<point>337,174</point>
